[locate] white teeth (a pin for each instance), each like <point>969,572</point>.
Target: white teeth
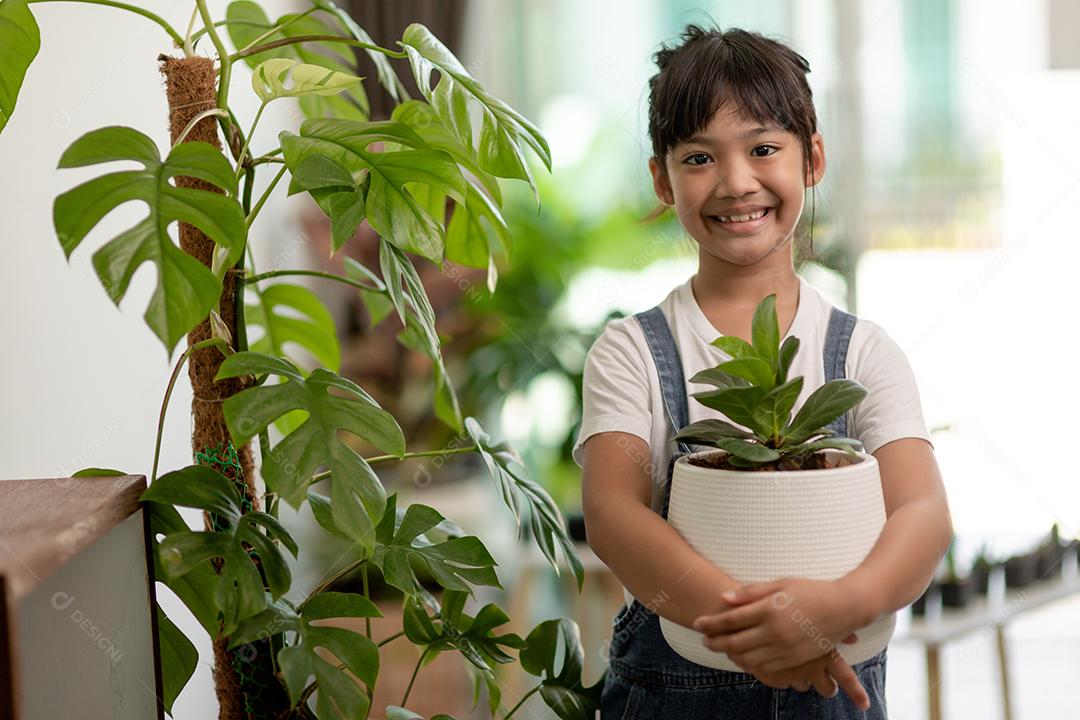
<point>741,218</point>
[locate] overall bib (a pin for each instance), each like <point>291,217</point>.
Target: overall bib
<point>649,680</point>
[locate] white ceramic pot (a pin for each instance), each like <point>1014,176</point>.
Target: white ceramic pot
<point>761,526</point>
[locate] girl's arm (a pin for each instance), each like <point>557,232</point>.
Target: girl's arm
<point>916,535</point>
<point>655,562</point>
<point>769,631</point>
<point>650,558</point>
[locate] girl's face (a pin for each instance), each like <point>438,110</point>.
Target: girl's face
<point>738,186</point>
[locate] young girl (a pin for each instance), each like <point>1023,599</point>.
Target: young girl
<point>735,146</point>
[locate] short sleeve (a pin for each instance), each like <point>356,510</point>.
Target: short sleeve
<point>615,386</point>
<point>891,409</point>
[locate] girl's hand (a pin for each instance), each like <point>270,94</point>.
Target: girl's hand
<point>827,675</point>
<point>781,624</point>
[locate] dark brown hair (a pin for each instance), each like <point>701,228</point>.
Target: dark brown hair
<point>761,79</point>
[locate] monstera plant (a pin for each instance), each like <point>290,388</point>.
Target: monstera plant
<point>427,181</point>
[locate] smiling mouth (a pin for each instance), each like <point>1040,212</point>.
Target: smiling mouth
<point>744,223</point>
<point>738,219</point>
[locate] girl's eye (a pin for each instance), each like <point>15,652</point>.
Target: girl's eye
<point>769,148</point>
<point>697,155</point>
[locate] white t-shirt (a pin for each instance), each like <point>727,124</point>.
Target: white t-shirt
<point>621,391</point>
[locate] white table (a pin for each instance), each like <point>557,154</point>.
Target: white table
<point>989,613</point>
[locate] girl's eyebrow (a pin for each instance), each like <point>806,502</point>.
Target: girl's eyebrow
<point>752,132</point>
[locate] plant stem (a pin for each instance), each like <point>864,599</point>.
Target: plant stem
<point>387,458</point>
<point>168,393</point>
<point>195,120</point>
<point>130,8</point>
<point>330,581</point>
<point>520,702</point>
<point>189,49</point>
<point>264,197</point>
<point>395,636</point>
<point>278,28</point>
<point>247,140</point>
<point>314,38</point>
<point>202,31</point>
<point>312,273</point>
<point>224,64</point>
<point>367,595</point>
<point>416,669</point>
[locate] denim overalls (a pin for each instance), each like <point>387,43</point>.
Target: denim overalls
<point>648,679</point>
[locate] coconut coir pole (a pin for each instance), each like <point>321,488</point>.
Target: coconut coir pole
<point>191,87</point>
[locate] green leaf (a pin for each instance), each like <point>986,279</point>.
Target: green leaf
<point>553,653</point>
<point>305,322</point>
<point>423,120</point>
<point>196,588</point>
<point>785,358</point>
<point>97,472</point>
<point>411,301</point>
<point>752,369</point>
<point>474,230</point>
<point>824,405</point>
<point>774,411</point>
<point>387,77</point>
<point>456,564</point>
<point>750,451</point>
<point>338,695</point>
<point>249,22</point>
<point>178,659</point>
<point>281,77</point>
<point>238,590</point>
<point>503,130</point>
<point>706,432</point>
<point>718,378</point>
<point>765,329</point>
<point>514,485</point>
<point>186,289</point>
<point>391,210</point>
<point>735,346</point>
<point>454,629</point>
<point>848,445</point>
<point>736,403</point>
<point>292,462</point>
<point>416,336</point>
<point>20,41</point>
<point>393,712</point>
<point>200,487</point>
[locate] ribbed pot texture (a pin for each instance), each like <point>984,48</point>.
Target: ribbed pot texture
<point>762,526</point>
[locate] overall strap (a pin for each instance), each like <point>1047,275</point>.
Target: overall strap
<point>837,338</point>
<point>665,356</point>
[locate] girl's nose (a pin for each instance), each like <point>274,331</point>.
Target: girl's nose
<point>735,179</point>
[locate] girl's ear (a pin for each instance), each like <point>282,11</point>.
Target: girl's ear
<point>816,169</point>
<point>661,182</point>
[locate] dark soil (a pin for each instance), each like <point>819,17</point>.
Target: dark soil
<point>816,461</point>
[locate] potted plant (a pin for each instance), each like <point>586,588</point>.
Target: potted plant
<point>1051,552</point>
<point>955,589</point>
<point>981,570</point>
<point>929,596</point>
<point>1022,570</point>
<point>281,651</point>
<point>816,496</point>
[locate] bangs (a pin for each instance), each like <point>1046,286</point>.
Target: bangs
<point>758,79</point>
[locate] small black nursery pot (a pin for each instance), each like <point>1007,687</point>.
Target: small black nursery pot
<point>1022,570</point>
<point>918,608</point>
<point>956,592</point>
<point>575,523</point>
<point>980,575</point>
